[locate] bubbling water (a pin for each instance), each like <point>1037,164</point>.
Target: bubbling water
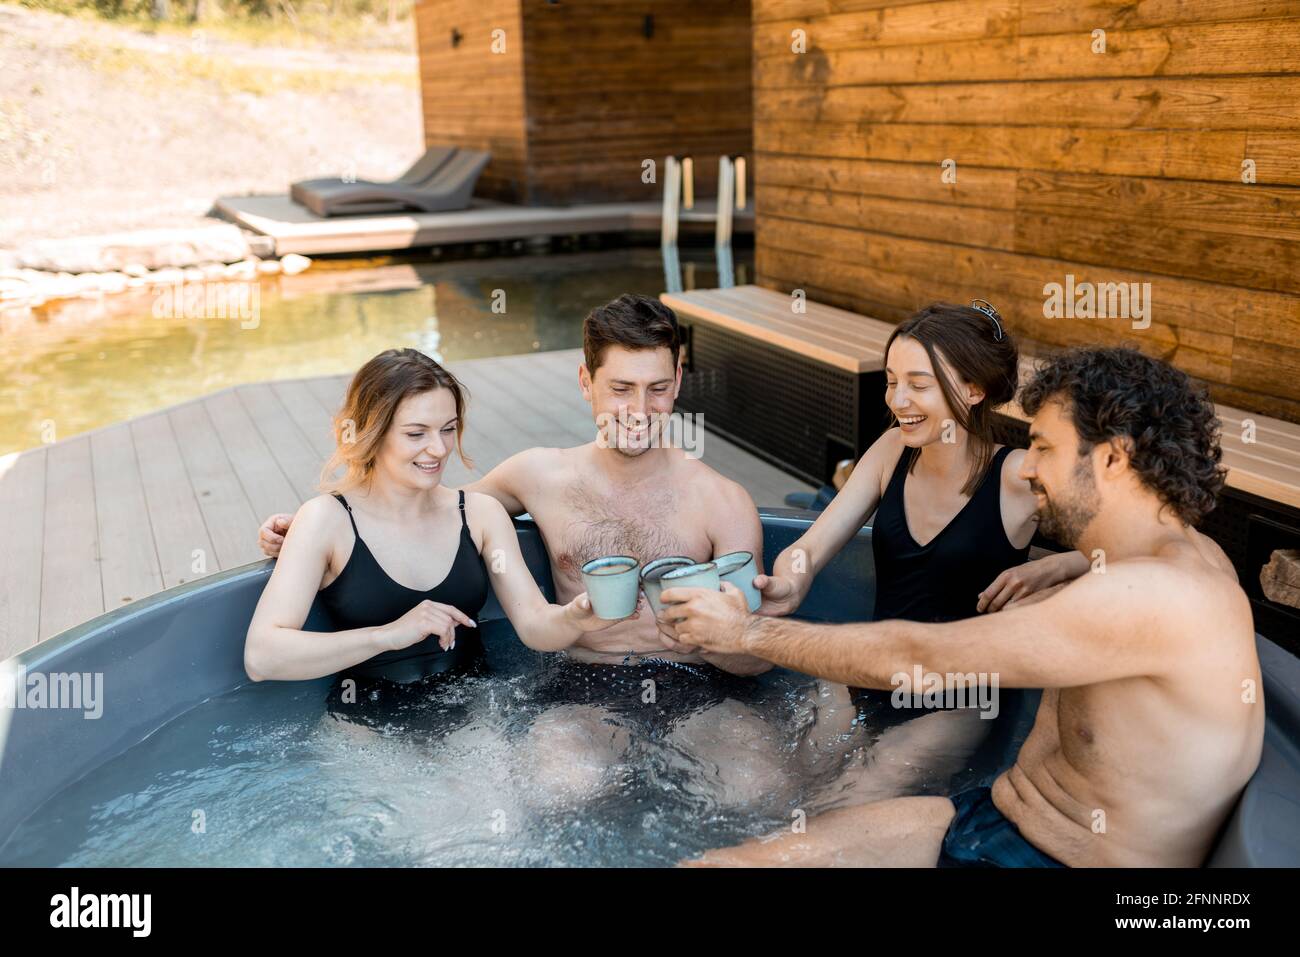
<point>535,761</point>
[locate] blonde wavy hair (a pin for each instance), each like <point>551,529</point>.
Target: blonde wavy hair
<point>367,414</point>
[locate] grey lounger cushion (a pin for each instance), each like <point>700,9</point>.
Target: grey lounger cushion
<point>423,169</point>
<point>451,187</point>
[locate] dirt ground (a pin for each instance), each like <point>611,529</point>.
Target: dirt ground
<point>105,128</point>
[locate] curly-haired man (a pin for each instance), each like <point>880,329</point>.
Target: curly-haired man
<point>1151,722</point>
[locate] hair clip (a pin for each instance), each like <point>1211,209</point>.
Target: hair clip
<point>986,307</point>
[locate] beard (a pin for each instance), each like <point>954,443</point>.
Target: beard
<point>1065,518</point>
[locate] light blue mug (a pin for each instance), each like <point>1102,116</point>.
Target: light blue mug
<point>703,575</point>
<point>612,584</point>
<point>650,575</point>
<point>740,569</point>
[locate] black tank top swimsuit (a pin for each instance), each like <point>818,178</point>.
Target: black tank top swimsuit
<point>941,580</point>
<point>364,596</point>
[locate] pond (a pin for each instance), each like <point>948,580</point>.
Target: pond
<point>79,365</point>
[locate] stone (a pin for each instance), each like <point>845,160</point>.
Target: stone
<point>293,264</point>
<point>245,269</point>
<point>269,267</point>
<point>1280,578</point>
<point>152,249</point>
<point>113,282</point>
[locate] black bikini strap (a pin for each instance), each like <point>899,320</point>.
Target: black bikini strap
<point>464,521</point>
<point>345,504</point>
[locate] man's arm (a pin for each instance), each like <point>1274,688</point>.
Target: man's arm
<point>1098,628</point>
<point>507,481</point>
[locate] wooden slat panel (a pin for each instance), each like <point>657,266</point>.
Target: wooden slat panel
<point>1208,49</point>
<point>264,482</point>
<point>1053,16</point>
<point>300,463</point>
<point>1184,154</point>
<point>993,228</point>
<point>22,518</point>
<point>71,589</point>
<point>917,182</point>
<point>227,514</point>
<point>1192,103</point>
<point>129,567</point>
<point>312,418</point>
<point>174,514</point>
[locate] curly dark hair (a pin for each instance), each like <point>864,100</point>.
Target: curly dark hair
<point>1169,422</point>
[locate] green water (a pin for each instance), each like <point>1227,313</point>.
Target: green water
<point>80,366</point>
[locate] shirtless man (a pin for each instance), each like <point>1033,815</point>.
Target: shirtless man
<point>1151,720</point>
<point>627,494</point>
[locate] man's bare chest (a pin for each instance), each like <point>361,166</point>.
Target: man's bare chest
<point>646,525</point>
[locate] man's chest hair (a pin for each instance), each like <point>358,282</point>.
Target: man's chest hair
<point>645,524</point>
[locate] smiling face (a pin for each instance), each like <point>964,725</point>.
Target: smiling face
<point>1062,480</point>
<point>416,447</point>
<point>914,395</point>
<point>631,396</point>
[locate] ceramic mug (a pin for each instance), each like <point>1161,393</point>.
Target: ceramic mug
<point>740,569</point>
<point>612,584</point>
<point>703,575</point>
<point>650,575</point>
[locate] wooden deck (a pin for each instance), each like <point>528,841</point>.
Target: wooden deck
<point>102,519</point>
<point>296,229</point>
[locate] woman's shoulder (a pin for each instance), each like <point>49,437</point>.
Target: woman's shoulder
<point>1011,463</point>
<point>483,511</point>
<point>323,513</point>
<point>884,453</point>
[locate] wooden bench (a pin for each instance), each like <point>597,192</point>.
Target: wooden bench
<point>836,337</point>
<point>802,390</point>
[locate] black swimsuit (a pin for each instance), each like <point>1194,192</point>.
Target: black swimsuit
<point>941,580</point>
<point>365,596</point>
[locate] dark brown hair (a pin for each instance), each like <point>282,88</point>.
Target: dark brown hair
<point>630,321</point>
<point>1167,422</point>
<point>964,342</point>
<point>373,396</point>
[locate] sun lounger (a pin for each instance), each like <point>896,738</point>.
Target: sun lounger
<point>434,158</point>
<point>449,188</point>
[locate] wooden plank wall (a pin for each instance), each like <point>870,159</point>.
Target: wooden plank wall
<point>602,96</point>
<point>1116,166</point>
<point>581,96</point>
<point>471,96</point>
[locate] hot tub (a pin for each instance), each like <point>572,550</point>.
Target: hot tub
<point>72,788</point>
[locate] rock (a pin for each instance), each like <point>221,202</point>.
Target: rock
<point>166,277</point>
<point>213,270</point>
<point>193,274</point>
<point>245,269</point>
<point>1280,578</point>
<point>269,267</point>
<point>136,270</point>
<point>293,264</point>
<point>152,249</point>
<point>113,282</point>
<point>1281,592</point>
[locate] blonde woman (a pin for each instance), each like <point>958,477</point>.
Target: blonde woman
<point>398,561</point>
